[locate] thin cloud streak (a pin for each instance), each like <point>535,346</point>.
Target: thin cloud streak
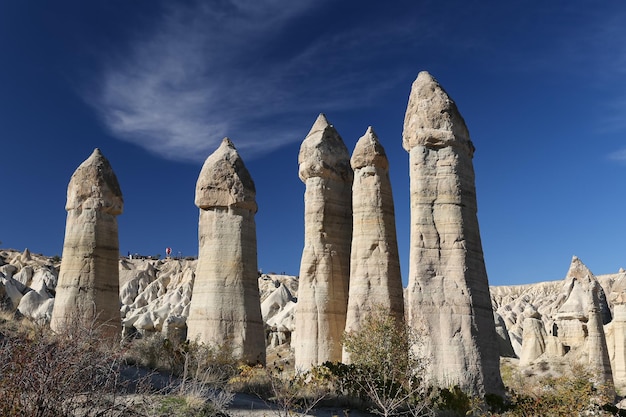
<point>619,155</point>
<point>201,76</point>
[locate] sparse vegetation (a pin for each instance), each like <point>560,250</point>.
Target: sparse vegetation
<point>572,393</point>
<point>385,374</point>
<point>44,374</point>
<point>77,374</point>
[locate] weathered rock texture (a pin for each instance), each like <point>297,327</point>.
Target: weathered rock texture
<point>597,349</point>
<point>88,286</point>
<point>533,341</point>
<point>324,167</point>
<point>225,305</point>
<point>375,279</point>
<point>448,288</point>
<point>572,312</point>
<point>574,303</point>
<point>616,331</point>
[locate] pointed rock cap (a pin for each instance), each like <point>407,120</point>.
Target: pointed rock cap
<point>26,255</point>
<point>579,271</point>
<point>581,286</point>
<point>618,289</point>
<point>432,119</point>
<point>323,153</point>
<point>94,186</point>
<point>369,152</point>
<point>224,181</point>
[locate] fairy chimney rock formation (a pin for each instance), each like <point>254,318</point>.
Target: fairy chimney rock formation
<point>225,304</point>
<point>574,303</point>
<point>533,340</point>
<point>375,280</point>
<point>597,349</point>
<point>324,167</point>
<point>448,291</point>
<point>88,285</point>
<point>616,331</point>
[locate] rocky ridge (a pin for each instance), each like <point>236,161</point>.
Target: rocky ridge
<point>155,296</point>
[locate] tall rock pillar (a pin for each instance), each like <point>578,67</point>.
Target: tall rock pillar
<point>324,167</point>
<point>225,305</point>
<point>616,332</point>
<point>448,291</point>
<point>597,349</point>
<point>88,286</point>
<point>375,279</point>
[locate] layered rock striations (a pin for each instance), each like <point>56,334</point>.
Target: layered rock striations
<point>596,344</point>
<point>324,167</point>
<point>574,303</point>
<point>448,291</point>
<point>616,331</point>
<point>375,279</point>
<point>88,283</point>
<point>225,305</point>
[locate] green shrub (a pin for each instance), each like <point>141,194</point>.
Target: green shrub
<point>573,394</point>
<point>385,373</point>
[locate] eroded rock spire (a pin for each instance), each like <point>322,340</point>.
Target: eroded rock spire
<point>448,291</point>
<point>375,279</point>
<point>225,305</point>
<point>88,286</point>
<point>324,167</point>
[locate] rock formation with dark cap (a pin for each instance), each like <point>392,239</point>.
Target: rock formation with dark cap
<point>324,167</point>
<point>88,286</point>
<point>225,305</point>
<point>448,291</point>
<point>375,279</point>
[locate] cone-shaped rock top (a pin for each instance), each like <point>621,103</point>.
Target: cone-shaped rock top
<point>578,270</point>
<point>432,118</point>
<point>575,295</point>
<point>369,152</point>
<point>323,153</point>
<point>224,181</point>
<point>94,186</point>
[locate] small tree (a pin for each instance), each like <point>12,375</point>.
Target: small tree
<point>386,368</point>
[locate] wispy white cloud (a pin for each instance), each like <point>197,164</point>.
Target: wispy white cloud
<point>619,155</point>
<point>207,72</point>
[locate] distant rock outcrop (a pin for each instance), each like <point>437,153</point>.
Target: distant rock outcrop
<point>324,167</point>
<point>533,340</point>
<point>88,287</point>
<point>375,280</point>
<point>155,297</point>
<point>564,320</point>
<point>448,288</point>
<point>573,305</point>
<point>225,304</point>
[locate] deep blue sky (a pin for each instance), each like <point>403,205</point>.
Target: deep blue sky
<point>157,85</point>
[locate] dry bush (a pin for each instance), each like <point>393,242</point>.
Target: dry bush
<point>386,372</point>
<point>159,353</point>
<point>198,392</point>
<point>287,394</point>
<point>82,373</point>
<point>45,374</point>
<point>199,374</point>
<point>571,394</point>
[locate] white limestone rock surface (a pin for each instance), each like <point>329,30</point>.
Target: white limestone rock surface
<point>324,167</point>
<point>88,286</point>
<point>375,279</point>
<point>225,305</point>
<point>448,289</point>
